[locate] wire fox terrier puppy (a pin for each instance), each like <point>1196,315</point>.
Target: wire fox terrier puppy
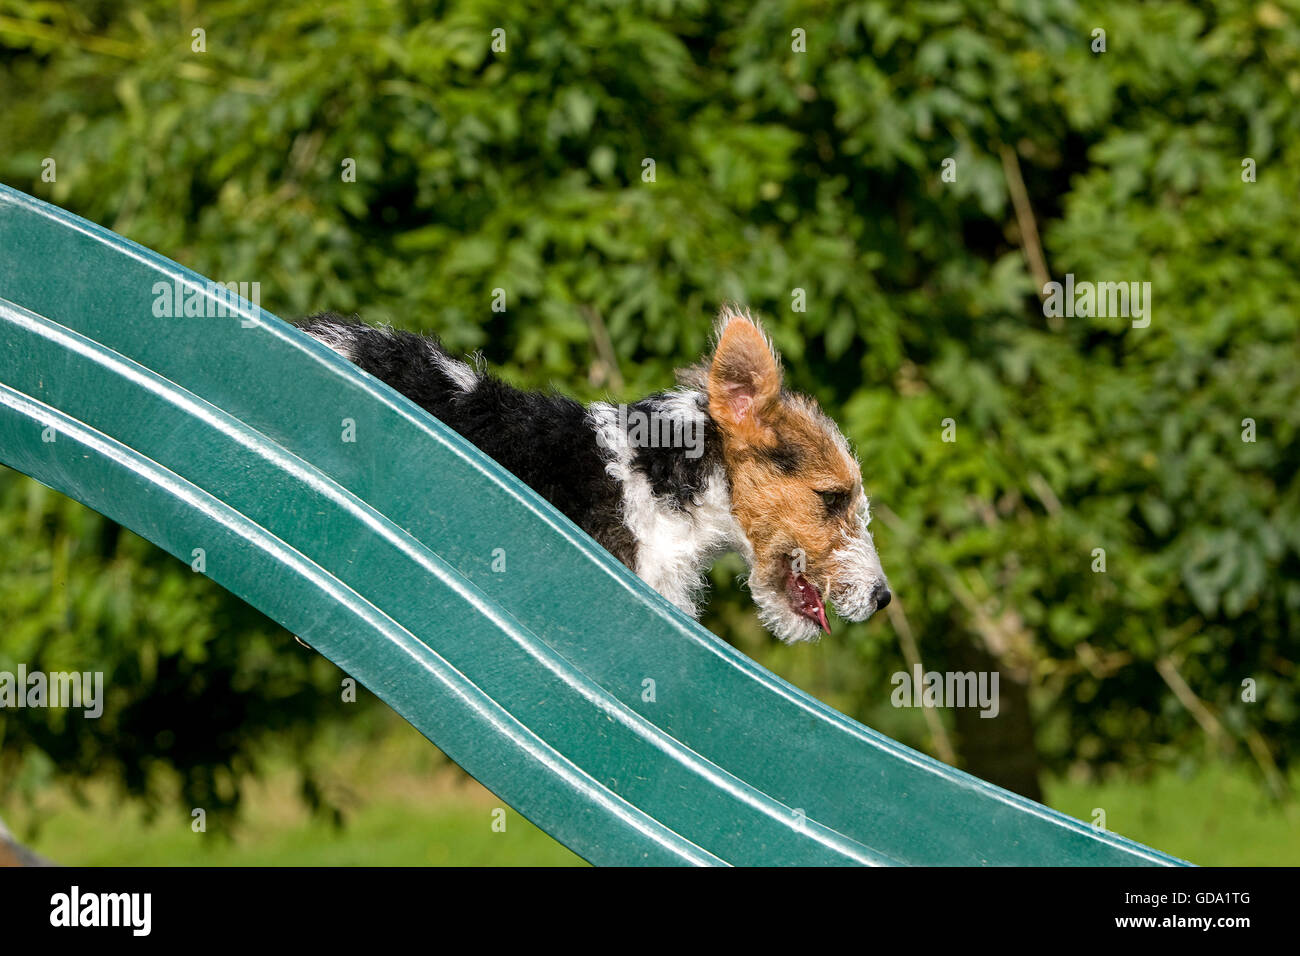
<point>728,461</point>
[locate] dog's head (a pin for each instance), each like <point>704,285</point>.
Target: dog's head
<point>796,490</point>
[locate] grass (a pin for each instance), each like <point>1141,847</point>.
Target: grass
<point>402,802</point>
<point>405,805</point>
<point>384,833</point>
<point>1216,817</point>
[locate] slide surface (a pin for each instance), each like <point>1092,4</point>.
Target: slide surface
<point>449,589</point>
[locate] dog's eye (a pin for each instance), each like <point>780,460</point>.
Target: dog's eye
<point>836,502</point>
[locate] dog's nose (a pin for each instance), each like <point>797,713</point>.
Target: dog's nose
<point>883,597</point>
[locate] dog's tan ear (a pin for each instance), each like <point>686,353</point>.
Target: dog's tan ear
<point>744,380</point>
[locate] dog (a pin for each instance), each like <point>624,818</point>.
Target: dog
<point>727,461</point>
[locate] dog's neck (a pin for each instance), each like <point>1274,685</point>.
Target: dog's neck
<point>665,453</point>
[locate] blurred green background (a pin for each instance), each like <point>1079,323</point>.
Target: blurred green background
<point>798,152</point>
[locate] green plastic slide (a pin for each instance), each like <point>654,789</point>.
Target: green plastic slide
<point>349,515</point>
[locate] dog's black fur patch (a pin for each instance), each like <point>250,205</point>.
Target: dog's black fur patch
<point>785,458</point>
<point>674,475</point>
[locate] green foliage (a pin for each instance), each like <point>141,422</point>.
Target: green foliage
<point>775,171</point>
<point>193,681</point>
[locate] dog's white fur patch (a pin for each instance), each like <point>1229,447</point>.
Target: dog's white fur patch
<point>336,337</point>
<point>857,590</point>
<point>674,547</point>
<point>461,374</point>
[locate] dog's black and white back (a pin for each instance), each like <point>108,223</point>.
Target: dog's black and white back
<point>666,508</point>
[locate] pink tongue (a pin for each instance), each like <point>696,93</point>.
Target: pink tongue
<point>807,600</point>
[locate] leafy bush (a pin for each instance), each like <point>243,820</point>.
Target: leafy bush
<point>776,174</point>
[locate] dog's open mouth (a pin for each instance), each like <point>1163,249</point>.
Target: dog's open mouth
<point>805,600</point>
